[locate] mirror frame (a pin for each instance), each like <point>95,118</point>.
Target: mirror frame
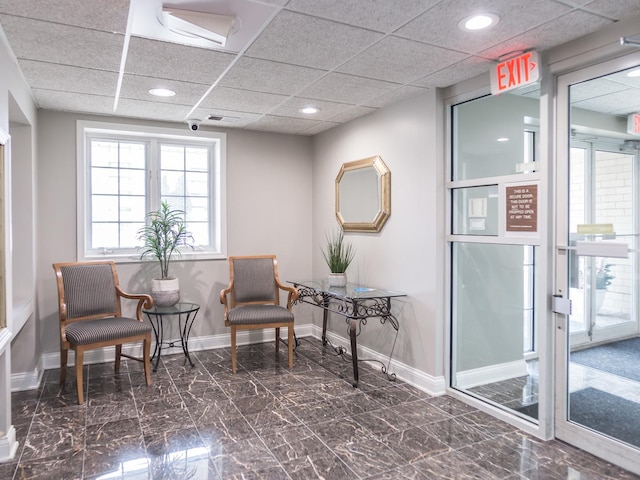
<point>384,189</point>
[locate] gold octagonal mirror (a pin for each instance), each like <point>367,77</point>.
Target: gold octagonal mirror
<point>363,195</point>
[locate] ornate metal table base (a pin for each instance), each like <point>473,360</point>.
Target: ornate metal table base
<point>156,315</point>
<point>357,305</point>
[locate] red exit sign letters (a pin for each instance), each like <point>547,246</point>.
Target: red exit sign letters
<point>515,72</point>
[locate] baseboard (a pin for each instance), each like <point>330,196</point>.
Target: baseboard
<point>417,378</point>
<point>491,374</point>
<point>427,383</point>
<point>8,445</point>
<point>27,380</point>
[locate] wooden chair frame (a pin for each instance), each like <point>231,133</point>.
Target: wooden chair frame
<point>144,301</point>
<point>228,299</point>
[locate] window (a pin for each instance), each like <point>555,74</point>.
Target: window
<point>125,171</point>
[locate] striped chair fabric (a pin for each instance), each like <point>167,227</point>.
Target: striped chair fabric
<point>104,330</point>
<point>257,314</point>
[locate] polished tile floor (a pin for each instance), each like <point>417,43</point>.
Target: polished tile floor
<point>269,422</point>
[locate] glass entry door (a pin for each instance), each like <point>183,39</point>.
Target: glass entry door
<point>598,344</point>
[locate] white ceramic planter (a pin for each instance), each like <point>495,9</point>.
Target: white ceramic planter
<point>165,292</point>
<point>337,279</point>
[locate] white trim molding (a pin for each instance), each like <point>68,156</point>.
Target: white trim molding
<point>491,374</point>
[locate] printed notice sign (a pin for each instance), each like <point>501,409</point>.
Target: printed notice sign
<point>522,208</point>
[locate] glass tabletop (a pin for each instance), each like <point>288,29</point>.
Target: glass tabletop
<point>349,292</point>
<point>176,309</point>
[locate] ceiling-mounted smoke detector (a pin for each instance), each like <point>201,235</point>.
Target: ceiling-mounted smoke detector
<point>208,26</point>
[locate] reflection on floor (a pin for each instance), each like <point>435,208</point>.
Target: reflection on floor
<point>588,385</point>
<point>515,393</point>
<point>268,422</point>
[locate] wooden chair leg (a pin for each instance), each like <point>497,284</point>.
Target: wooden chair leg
<point>118,356</point>
<point>277,339</point>
<point>79,381</point>
<point>290,344</point>
<point>146,347</point>
<point>63,364</point>
<point>233,349</point>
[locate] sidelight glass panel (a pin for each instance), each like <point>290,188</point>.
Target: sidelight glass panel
<point>492,137</point>
<point>493,291</point>
<point>475,210</point>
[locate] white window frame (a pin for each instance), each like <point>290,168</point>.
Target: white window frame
<point>217,193</point>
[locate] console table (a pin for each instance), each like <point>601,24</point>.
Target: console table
<point>357,304</point>
<point>186,313</point>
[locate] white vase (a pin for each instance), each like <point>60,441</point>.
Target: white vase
<point>165,291</point>
<point>337,279</point>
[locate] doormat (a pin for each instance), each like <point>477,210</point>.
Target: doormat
<point>620,358</point>
<point>614,416</point>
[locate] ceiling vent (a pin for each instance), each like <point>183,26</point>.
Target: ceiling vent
<point>208,26</point>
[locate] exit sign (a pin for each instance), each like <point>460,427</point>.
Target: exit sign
<point>515,72</point>
<point>633,123</point>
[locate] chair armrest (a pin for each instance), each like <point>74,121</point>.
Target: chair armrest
<point>144,300</point>
<point>293,292</point>
<point>223,299</point>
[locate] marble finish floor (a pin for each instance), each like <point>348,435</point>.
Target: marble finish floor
<point>269,422</point>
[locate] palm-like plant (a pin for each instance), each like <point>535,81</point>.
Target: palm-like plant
<point>163,234</point>
<point>339,253</point>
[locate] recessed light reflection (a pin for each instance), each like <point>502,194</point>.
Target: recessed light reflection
<point>502,139</point>
<point>309,110</point>
<point>634,73</point>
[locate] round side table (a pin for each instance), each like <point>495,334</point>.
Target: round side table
<point>186,313</point>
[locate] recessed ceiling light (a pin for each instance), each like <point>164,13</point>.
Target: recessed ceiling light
<point>502,139</point>
<point>162,92</point>
<point>309,110</point>
<point>478,22</point>
<point>634,73</point>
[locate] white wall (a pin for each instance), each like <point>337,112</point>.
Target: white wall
<point>407,254</point>
<point>268,211</point>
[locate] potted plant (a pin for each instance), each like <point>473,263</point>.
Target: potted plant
<point>604,277</point>
<point>164,232</point>
<point>338,255</point>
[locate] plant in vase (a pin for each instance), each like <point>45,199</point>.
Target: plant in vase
<point>603,280</point>
<point>163,234</point>
<point>338,255</point>
<point>604,276</point>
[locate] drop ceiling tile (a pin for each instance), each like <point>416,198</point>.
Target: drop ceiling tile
<point>270,77</point>
<point>54,43</point>
<point>622,78</point>
<point>309,41</point>
<point>176,62</point>
<point>562,29</point>
<point>352,113</point>
<point>399,60</point>
<point>152,110</point>
<point>73,102</point>
<point>111,16</point>
<point>467,68</point>
<point>381,16</point>
<point>396,95</point>
<point>138,86</point>
<point>291,108</point>
<point>614,9</point>
<point>320,127</point>
<point>272,123</point>
<point>342,88</point>
<point>53,76</point>
<point>439,25</point>
<point>242,100</point>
